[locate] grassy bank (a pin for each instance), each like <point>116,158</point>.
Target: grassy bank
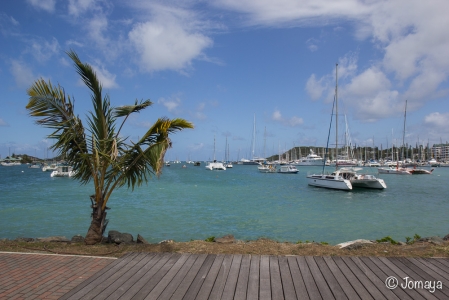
<point>258,247</point>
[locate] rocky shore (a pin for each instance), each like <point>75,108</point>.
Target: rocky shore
<point>117,243</point>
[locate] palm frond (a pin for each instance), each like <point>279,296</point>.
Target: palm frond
<point>126,110</point>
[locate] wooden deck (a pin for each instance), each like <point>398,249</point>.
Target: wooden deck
<point>201,276</point>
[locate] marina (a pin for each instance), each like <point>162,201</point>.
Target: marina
<point>194,203</point>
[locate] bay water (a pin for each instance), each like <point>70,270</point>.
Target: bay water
<point>193,203</point>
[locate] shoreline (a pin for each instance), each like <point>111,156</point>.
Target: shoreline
<point>424,247</point>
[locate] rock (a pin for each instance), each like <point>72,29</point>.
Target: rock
<point>432,239</point>
<point>53,239</point>
<point>118,237</point>
<point>360,241</point>
<point>354,246</point>
<point>141,240</point>
<point>227,239</point>
<point>402,244</point>
<point>446,238</point>
<point>24,239</point>
<point>77,239</point>
<point>166,242</point>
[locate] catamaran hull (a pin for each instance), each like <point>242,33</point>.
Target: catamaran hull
<point>369,183</point>
<point>329,183</point>
<point>393,171</point>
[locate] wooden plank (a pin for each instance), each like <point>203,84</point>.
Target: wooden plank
<point>199,278</point>
<point>362,276</point>
<point>211,278</point>
<point>253,278</point>
<point>390,270</point>
<point>265,284</point>
<point>94,277</point>
<point>140,283</point>
<point>165,281</point>
<point>431,266</point>
<point>121,275</point>
<point>231,281</point>
<point>286,279</point>
<point>309,281</point>
<point>242,281</point>
<point>154,280</point>
<point>352,279</point>
<point>400,293</point>
<point>181,275</point>
<point>80,293</point>
<point>378,283</point>
<point>444,261</point>
<point>297,278</point>
<point>341,279</point>
<point>218,287</point>
<point>438,263</point>
<point>116,281</point>
<point>277,291</point>
<point>414,273</point>
<point>331,281</point>
<point>432,271</point>
<point>147,263</point>
<point>319,279</point>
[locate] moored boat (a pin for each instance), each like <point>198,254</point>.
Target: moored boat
<point>63,171</point>
<point>288,169</point>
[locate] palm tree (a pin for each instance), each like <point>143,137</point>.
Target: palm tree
<point>98,152</point>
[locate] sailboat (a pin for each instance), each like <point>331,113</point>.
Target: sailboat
<point>228,163</point>
<point>344,178</point>
<point>265,167</point>
<point>334,180</point>
<point>215,165</point>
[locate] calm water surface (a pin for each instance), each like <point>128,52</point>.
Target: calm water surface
<point>194,203</point>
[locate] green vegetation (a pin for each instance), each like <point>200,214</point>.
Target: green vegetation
<point>387,239</point>
<point>98,152</point>
<point>210,239</point>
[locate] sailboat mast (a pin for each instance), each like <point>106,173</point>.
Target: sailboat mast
<point>254,135</point>
<point>403,134</point>
<point>336,116</point>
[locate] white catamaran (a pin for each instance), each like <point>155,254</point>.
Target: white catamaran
<point>344,178</point>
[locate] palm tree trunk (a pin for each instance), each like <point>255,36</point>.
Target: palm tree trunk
<point>98,224</point>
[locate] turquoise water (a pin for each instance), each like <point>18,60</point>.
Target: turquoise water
<point>194,203</point>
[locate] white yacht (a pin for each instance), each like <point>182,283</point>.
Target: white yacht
<point>393,170</point>
<point>362,180</point>
<point>288,169</point>
<point>63,171</point>
<point>215,166</point>
<point>267,168</point>
<point>334,180</point>
<point>49,168</point>
<point>330,181</point>
<point>310,160</point>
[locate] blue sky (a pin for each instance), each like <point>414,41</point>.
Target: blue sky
<point>220,63</point>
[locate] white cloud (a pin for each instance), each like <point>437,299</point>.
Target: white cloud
<point>3,122</point>
<point>315,87</point>
<point>47,5</point>
<point>412,45</point>
<point>43,50</point>
<point>22,74</point>
<point>105,77</point>
<point>171,103</point>
<point>293,12</point>
<point>292,122</point>
<point>439,120</point>
<point>436,125</point>
<point>77,7</point>
<point>171,40</point>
